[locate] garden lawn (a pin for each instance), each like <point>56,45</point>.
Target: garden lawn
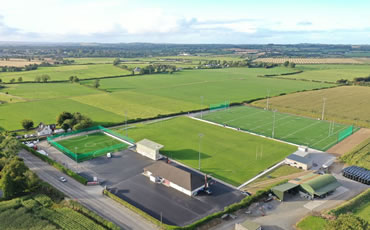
<point>225,154</point>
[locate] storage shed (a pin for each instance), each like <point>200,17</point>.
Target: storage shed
<point>281,190</point>
<point>149,149</point>
<point>311,185</point>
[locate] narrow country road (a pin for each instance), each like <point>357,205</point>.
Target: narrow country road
<point>89,196</point>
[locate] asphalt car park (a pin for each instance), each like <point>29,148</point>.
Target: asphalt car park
<point>122,174</point>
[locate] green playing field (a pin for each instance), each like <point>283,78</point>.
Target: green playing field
<point>317,134</point>
<point>90,143</point>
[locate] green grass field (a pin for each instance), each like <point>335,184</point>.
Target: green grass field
<point>64,72</point>
<point>312,223</point>
<point>142,96</point>
<point>331,72</point>
<point>89,143</point>
<point>225,154</point>
<point>359,156</point>
<point>291,128</point>
<point>346,104</point>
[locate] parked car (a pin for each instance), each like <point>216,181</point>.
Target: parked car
<point>205,191</point>
<point>246,193</point>
<point>62,179</point>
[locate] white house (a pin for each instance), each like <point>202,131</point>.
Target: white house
<point>149,149</point>
<point>137,69</point>
<point>43,129</point>
<point>171,176</point>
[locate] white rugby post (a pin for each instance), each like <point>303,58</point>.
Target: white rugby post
<point>273,125</point>
<point>323,108</point>
<point>201,111</point>
<point>200,141</point>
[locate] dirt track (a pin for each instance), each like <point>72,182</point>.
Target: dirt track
<point>350,142</point>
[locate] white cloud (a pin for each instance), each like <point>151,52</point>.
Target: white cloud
<point>128,21</point>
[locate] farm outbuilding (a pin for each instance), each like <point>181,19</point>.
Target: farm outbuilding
<point>310,185</point>
<point>247,225</point>
<point>282,190</point>
<point>174,177</point>
<point>299,161</point>
<point>358,174</point>
<point>149,149</point>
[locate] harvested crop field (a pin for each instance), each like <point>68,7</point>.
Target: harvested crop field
<point>346,104</point>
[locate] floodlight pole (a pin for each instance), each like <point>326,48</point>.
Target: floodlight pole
<point>126,123</point>
<point>267,101</point>
<point>273,125</point>
<point>201,111</point>
<point>323,108</point>
<point>200,140</point>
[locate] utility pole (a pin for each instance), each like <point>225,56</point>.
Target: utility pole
<point>200,141</point>
<point>323,108</point>
<point>273,125</point>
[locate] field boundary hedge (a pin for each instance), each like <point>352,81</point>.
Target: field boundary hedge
<point>56,165</point>
<point>244,203</point>
<point>351,205</point>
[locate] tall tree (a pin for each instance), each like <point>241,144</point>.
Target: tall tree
<point>27,124</point>
<point>97,83</point>
<point>63,116</point>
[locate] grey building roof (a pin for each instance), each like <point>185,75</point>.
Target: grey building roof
<point>299,159</point>
<point>182,178</point>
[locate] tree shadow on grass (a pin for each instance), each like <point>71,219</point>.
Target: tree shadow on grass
<point>185,154</point>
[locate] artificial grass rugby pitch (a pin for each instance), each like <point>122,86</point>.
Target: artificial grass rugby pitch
<point>315,133</point>
<point>226,154</point>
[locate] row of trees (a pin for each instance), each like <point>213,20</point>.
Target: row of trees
<point>15,178</point>
<point>74,121</point>
<point>43,78</point>
<point>215,64</point>
<point>157,68</point>
<point>25,68</point>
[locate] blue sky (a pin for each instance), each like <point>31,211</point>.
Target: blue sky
<point>190,21</point>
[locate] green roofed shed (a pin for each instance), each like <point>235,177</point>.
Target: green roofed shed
<point>280,190</point>
<point>320,185</point>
